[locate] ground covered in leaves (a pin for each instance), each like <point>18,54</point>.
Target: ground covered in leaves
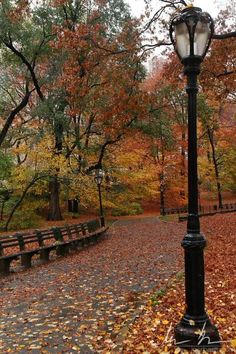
<point>82,303</point>
<point>121,295</point>
<point>152,332</point>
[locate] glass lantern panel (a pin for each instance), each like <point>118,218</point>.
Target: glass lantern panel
<point>182,40</point>
<point>100,173</point>
<point>98,179</point>
<point>201,38</point>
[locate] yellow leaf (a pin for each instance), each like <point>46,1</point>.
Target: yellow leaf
<point>165,322</point>
<point>177,351</point>
<point>140,347</point>
<point>156,322</point>
<point>220,319</point>
<point>233,343</point>
<point>192,323</point>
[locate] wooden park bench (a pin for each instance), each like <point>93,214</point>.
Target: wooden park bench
<point>63,239</point>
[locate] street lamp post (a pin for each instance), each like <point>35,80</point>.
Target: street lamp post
<point>191,32</point>
<point>98,179</point>
<point>162,200</point>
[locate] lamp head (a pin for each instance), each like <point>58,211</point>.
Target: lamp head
<point>99,176</point>
<point>191,32</point>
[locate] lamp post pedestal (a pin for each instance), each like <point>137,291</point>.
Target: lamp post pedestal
<point>201,335</point>
<point>195,329</point>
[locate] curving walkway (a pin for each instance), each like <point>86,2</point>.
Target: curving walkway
<point>74,304</point>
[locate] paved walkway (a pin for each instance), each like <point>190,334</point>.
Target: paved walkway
<point>73,304</point>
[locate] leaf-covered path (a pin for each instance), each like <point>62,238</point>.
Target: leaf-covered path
<point>77,303</point>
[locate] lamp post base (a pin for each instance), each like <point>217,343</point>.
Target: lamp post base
<point>197,333</point>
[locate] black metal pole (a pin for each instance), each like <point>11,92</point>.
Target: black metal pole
<point>162,197</point>
<point>195,329</point>
<point>162,202</point>
<point>100,203</point>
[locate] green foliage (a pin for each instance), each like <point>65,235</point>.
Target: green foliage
<point>6,163</point>
<point>4,195</point>
<point>228,169</point>
<point>24,220</point>
<point>206,114</point>
<point>114,13</point>
<point>156,296</point>
<point>127,209</point>
<point>162,118</point>
<point>28,215</point>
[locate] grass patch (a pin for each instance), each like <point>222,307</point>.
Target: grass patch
<point>180,275</point>
<point>127,209</point>
<point>157,296</point>
<point>173,217</point>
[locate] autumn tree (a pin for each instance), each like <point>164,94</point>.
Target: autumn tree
<point>218,84</point>
<point>101,81</point>
<point>71,75</point>
<point>76,90</point>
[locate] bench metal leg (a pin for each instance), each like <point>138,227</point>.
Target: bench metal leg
<point>62,250</point>
<point>73,246</point>
<point>95,238</point>
<point>26,260</point>
<point>45,254</point>
<point>85,242</point>
<point>90,240</point>
<point>5,266</point>
<point>79,244</point>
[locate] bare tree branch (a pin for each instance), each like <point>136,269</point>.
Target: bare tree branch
<point>225,35</point>
<point>13,114</point>
<point>10,46</point>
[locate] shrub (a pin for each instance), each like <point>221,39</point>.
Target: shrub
<point>25,220</point>
<point>127,209</point>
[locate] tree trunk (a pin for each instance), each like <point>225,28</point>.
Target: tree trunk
<point>54,185</point>
<point>216,167</point>
<point>2,208</point>
<point>54,201</point>
<point>13,114</point>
